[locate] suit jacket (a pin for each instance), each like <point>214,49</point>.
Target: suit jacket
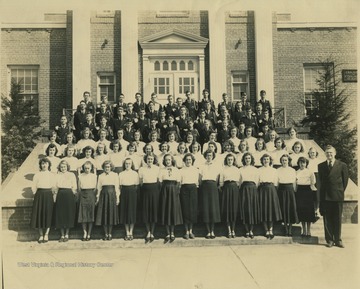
<point>333,182</point>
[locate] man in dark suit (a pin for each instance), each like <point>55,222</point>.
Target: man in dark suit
<point>333,179</point>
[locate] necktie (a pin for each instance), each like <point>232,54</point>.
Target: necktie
<point>330,165</point>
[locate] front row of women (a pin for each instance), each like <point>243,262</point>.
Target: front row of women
<point>170,196</point>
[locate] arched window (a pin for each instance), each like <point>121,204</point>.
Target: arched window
<point>190,65</point>
<point>182,65</point>
<point>157,66</point>
<point>173,65</point>
<point>165,65</point>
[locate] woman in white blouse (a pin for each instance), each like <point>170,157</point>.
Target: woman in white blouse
<point>86,140</point>
<point>286,193</point>
<point>42,210</point>
<point>69,153</point>
<point>117,156</point>
<point>149,194</point>
<point>229,186</point>
<point>276,154</point>
<point>195,151</point>
<point>100,157</point>
<point>297,151</point>
<point>189,194</point>
<point>131,153</point>
<point>51,153</point>
<point>88,153</point>
<point>107,198</point>
<point>305,196</point>
<point>65,200</point>
<point>268,198</point>
<point>260,150</point>
<point>249,197</point>
<point>170,208</point>
<point>243,148</point>
<point>87,192</point>
<point>209,194</point>
<point>179,157</point>
<point>129,186</point>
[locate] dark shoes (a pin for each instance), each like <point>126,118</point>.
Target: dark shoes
<point>340,244</point>
<point>329,244</point>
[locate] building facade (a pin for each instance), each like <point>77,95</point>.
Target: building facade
<point>169,52</point>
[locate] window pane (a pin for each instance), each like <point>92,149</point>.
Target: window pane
<point>186,80</point>
<point>165,65</point>
<point>155,81</point>
<point>190,65</point>
<point>103,90</point>
<point>161,90</point>
<point>167,90</point>
<point>167,81</point>
<point>180,89</point>
<point>161,81</point>
<point>157,66</point>
<point>173,65</point>
<point>182,65</point>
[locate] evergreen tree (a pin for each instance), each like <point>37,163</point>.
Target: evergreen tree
<point>20,129</point>
<point>329,122</point>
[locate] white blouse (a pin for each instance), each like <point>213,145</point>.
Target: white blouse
<point>199,159</point>
<point>173,147</point>
<point>73,162</point>
<point>277,154</point>
<point>149,175</point>
<point>229,174</point>
<point>54,163</point>
<point>313,164</point>
<point>136,160</point>
<point>84,160</point>
<point>290,142</point>
<point>268,175</point>
<point>99,160</point>
<point>64,146</point>
<point>155,146</point>
<point>295,157</point>
<point>239,157</point>
<point>111,179</point>
<point>87,181</point>
<point>140,148</point>
<point>206,146</point>
<point>128,178</point>
<point>257,157</point>
<point>286,175</point>
<point>189,175</point>
<point>66,180</point>
<point>179,163</point>
<point>169,174</point>
<point>85,142</point>
<point>236,142</point>
<point>249,174</point>
<point>306,177</point>
<point>106,143</point>
<point>209,171</point>
<point>43,180</point>
<point>251,142</point>
<point>220,158</point>
<point>117,158</point>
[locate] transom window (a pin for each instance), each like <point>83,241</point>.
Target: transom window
<point>28,79</point>
<point>107,85</point>
<point>175,65</point>
<point>239,84</point>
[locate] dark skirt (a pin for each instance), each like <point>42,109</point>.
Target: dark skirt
<point>87,206</point>
<point>128,204</point>
<point>150,202</point>
<point>170,208</point>
<point>107,211</point>
<point>65,208</point>
<point>209,199</point>
<point>42,209</point>
<point>249,203</point>
<point>305,203</point>
<point>189,203</point>
<point>288,203</point>
<point>269,203</point>
<point>230,201</point>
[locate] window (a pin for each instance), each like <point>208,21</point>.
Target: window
<point>190,65</point>
<point>182,65</point>
<point>239,84</point>
<point>107,85</point>
<point>162,85</point>
<point>157,66</point>
<point>165,65</point>
<point>173,65</point>
<point>311,74</point>
<point>186,83</point>
<point>28,78</point>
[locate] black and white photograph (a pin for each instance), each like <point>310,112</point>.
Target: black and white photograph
<point>179,144</point>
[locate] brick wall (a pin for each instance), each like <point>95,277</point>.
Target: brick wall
<point>242,56</point>
<point>47,49</point>
<point>196,22</point>
<point>294,48</point>
<point>107,58</point>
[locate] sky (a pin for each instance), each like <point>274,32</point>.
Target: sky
<point>301,11</point>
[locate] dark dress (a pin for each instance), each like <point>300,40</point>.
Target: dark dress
<point>269,203</point>
<point>150,202</point>
<point>305,203</point>
<point>65,208</point>
<point>230,201</point>
<point>128,204</point>
<point>42,209</point>
<point>107,211</point>
<point>189,203</point>
<point>288,203</point>
<point>209,198</point>
<point>170,208</point>
<point>249,203</point>
<point>87,206</point>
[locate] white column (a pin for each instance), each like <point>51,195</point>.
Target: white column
<point>147,89</point>
<point>264,54</point>
<point>217,54</point>
<point>81,54</point>
<point>201,76</point>
<point>129,53</point>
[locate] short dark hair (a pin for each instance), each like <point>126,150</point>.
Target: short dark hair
<point>50,146</point>
<point>44,160</point>
<point>302,160</point>
<point>132,164</point>
<point>172,160</point>
<point>266,156</point>
<point>189,155</point>
<point>248,154</point>
<point>286,156</point>
<point>209,151</point>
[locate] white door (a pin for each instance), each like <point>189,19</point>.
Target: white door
<point>163,85</point>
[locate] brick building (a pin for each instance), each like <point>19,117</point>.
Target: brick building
<point>110,52</point>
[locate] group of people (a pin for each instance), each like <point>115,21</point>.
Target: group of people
<point>176,164</point>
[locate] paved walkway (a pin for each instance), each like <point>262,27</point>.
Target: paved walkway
<point>295,266</point>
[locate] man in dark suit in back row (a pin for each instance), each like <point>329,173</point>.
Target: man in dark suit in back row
<point>333,179</point>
